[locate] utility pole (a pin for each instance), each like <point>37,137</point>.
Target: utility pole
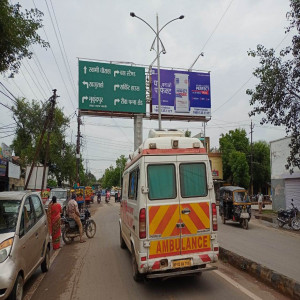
<point>78,146</point>
<point>37,151</point>
<point>251,160</point>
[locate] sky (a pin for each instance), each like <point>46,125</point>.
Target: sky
<point>104,31</point>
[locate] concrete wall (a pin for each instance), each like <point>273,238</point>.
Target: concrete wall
<point>279,152</point>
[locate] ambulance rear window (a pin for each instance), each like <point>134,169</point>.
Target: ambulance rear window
<point>161,182</point>
<point>193,180</point>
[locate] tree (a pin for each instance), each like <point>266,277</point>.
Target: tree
<point>18,30</point>
<point>113,176</point>
<point>30,118</point>
<point>278,93</point>
<point>261,165</point>
<point>239,169</point>
<point>234,141</point>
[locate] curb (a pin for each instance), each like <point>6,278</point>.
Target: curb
<point>278,281</point>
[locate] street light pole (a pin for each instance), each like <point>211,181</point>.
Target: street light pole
<point>158,73</point>
<point>132,14</point>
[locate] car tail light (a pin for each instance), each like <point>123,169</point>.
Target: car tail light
<point>214,217</point>
<point>142,223</point>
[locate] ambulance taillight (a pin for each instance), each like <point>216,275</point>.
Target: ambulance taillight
<point>214,217</point>
<point>142,223</point>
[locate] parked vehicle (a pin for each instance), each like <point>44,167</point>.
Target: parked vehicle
<point>290,217</point>
<point>168,216</point>
<point>234,205</point>
<point>61,197</point>
<point>24,240</point>
<point>71,230</point>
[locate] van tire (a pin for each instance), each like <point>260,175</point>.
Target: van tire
<point>122,242</point>
<point>137,276</point>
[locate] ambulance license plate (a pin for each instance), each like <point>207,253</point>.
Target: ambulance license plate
<point>181,263</point>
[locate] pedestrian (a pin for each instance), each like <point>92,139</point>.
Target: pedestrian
<point>55,211</point>
<point>260,202</point>
<point>73,212</point>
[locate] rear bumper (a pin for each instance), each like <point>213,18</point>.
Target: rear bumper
<point>175,273</point>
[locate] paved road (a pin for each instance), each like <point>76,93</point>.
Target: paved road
<point>99,269</point>
<point>275,248</point>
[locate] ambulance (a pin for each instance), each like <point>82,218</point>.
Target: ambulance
<point>168,216</point>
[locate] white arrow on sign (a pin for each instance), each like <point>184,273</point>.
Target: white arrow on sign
<point>86,83</point>
<point>84,68</point>
<point>84,98</point>
<point>116,72</point>
<point>116,86</point>
<point>116,101</point>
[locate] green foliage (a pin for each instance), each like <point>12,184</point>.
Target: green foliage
<point>30,118</point>
<point>18,30</point>
<point>278,93</point>
<point>239,169</point>
<point>187,133</point>
<point>261,165</point>
<point>113,176</point>
<point>235,140</point>
<point>236,157</point>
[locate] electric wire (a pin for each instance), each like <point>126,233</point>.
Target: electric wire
<point>41,69</point>
<point>44,94</point>
<point>61,52</point>
<point>62,78</point>
<point>64,50</point>
<point>212,33</point>
<point>23,64</point>
<point>28,84</point>
<point>13,100</point>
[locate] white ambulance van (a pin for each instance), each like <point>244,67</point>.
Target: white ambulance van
<point>168,217</point>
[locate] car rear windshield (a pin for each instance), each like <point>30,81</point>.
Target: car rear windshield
<point>161,182</point>
<point>193,180</point>
<point>9,210</point>
<point>58,194</point>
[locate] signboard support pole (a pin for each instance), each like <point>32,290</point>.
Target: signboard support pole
<point>138,131</point>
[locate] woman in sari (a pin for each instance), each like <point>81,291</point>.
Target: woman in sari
<point>55,210</point>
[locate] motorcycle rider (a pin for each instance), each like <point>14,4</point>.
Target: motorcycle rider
<point>73,212</point>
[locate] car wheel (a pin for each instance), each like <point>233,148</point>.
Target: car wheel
<point>45,266</point>
<point>17,292</point>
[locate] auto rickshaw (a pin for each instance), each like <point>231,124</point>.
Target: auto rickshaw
<point>235,205</point>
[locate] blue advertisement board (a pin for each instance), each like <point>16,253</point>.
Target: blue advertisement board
<point>182,93</point>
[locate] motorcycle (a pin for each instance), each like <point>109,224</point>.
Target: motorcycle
<point>290,217</point>
<point>107,198</point>
<point>98,198</point>
<point>70,228</point>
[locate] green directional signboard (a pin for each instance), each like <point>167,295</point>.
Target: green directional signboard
<point>110,87</point>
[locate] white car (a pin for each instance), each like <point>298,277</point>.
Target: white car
<point>24,241</point>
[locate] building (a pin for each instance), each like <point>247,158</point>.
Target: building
<point>10,171</point>
<point>284,185</point>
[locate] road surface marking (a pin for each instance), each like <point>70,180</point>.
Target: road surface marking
<point>38,281</point>
<point>238,286</point>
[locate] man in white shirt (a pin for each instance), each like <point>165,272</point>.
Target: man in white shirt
<point>260,202</point>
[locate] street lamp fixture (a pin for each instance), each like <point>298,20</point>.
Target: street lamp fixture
<point>157,38</point>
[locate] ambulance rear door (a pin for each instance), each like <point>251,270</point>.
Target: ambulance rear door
<point>194,204</point>
<point>163,219</point>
